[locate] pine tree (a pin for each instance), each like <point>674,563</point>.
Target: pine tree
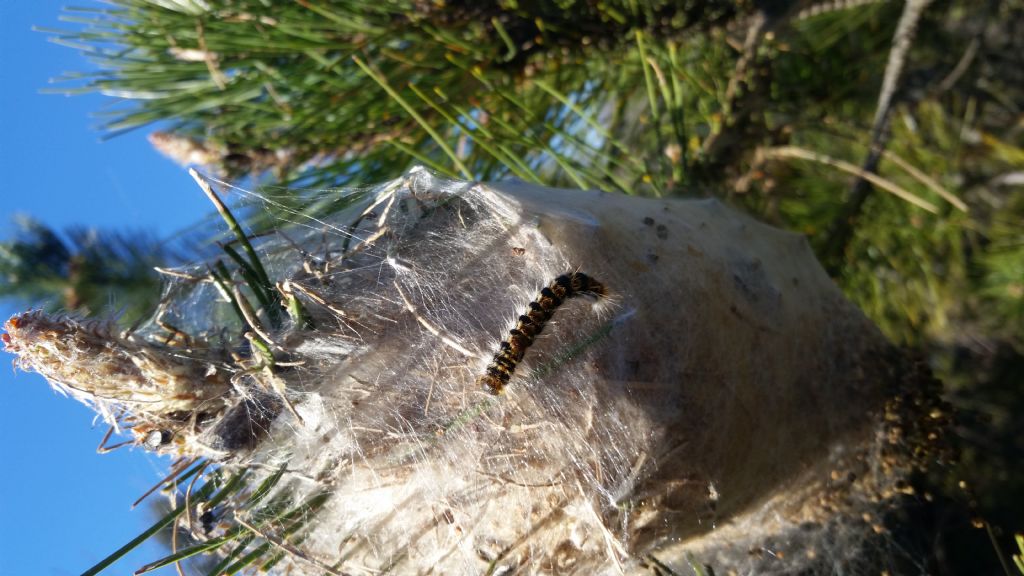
<point>82,270</point>
<point>889,133</point>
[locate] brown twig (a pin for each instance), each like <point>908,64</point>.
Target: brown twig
<point>887,185</point>
<point>842,230</point>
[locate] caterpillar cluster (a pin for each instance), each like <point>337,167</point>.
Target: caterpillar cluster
<point>530,324</point>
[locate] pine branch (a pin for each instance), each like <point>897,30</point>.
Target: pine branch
<point>83,269</point>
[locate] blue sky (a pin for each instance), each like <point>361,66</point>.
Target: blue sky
<point>64,506</point>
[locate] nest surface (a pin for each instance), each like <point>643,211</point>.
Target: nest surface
<point>717,396</point>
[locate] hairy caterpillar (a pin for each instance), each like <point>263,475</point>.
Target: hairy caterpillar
<point>530,324</point>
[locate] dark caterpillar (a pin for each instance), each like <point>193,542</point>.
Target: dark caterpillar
<point>530,324</point>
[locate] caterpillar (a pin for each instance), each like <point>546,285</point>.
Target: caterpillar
<point>530,324</point>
